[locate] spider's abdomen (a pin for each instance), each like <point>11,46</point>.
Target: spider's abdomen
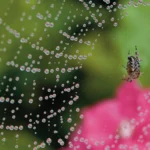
<point>133,64</point>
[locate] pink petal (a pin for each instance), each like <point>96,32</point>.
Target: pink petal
<point>99,123</point>
<point>127,95</point>
<point>102,122</point>
<point>143,117</point>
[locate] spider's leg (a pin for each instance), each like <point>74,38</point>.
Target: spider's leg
<point>128,53</point>
<point>129,79</point>
<point>136,52</point>
<point>139,59</point>
<point>141,73</point>
<point>124,78</point>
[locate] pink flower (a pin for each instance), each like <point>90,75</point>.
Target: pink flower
<point>121,123</point>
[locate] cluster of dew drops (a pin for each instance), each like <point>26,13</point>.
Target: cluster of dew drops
<point>56,61</point>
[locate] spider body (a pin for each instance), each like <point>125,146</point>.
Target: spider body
<point>133,67</point>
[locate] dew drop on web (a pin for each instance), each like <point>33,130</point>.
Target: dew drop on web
<point>44,46</point>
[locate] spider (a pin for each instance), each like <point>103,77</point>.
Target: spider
<point>133,67</point>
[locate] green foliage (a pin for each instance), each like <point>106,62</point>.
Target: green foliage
<point>102,71</point>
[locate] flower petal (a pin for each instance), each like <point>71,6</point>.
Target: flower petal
<point>127,95</point>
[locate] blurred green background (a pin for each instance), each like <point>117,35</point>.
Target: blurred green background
<point>24,36</point>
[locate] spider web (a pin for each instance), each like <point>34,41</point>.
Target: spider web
<point>46,48</point>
